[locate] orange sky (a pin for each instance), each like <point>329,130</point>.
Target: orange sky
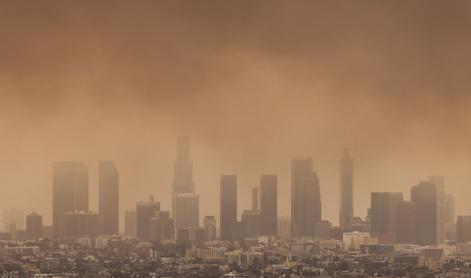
<point>254,83</point>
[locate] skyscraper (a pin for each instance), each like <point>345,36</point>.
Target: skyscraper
<point>186,210</point>
<point>405,223</point>
<point>305,198</point>
<point>162,227</point>
<point>82,223</point>
<point>449,209</point>
<point>69,192</point>
<point>424,197</point>
<point>130,223</point>
<point>463,229</point>
<point>209,224</point>
<point>183,167</point>
<point>108,182</point>
<point>254,198</point>
<point>439,182</point>
<point>268,205</point>
<point>34,225</point>
<point>228,206</point>
<point>144,212</point>
<point>251,222</point>
<point>383,215</point>
<point>346,190</point>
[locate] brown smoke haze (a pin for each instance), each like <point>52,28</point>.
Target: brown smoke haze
<point>253,83</point>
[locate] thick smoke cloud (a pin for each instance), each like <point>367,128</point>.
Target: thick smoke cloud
<point>254,83</point>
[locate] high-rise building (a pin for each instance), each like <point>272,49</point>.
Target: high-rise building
<point>228,206</point>
<point>268,205</point>
<point>162,227</point>
<point>183,167</point>
<point>424,197</point>
<point>322,230</point>
<point>251,219</point>
<point>82,224</point>
<point>463,229</point>
<point>144,212</point>
<point>130,223</point>
<point>69,192</point>
<point>449,209</point>
<point>186,210</point>
<point>383,215</point>
<point>449,218</point>
<point>209,224</point>
<point>13,218</point>
<point>405,222</point>
<point>34,225</point>
<point>108,183</point>
<point>284,227</point>
<point>305,198</point>
<point>346,190</point>
<point>254,198</point>
<point>439,182</point>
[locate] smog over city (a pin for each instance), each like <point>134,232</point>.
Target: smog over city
<point>327,108</point>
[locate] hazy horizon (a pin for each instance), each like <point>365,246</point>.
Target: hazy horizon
<point>252,84</point>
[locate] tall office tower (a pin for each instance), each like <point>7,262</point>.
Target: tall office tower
<point>183,167</point>
<point>322,230</point>
<point>108,183</point>
<point>14,218</point>
<point>346,190</point>
<point>305,198</point>
<point>405,222</point>
<point>252,223</point>
<point>130,223</point>
<point>162,226</point>
<point>268,205</point>
<point>144,212</point>
<point>209,224</point>
<point>82,224</point>
<point>34,225</point>
<point>463,229</point>
<point>383,215</point>
<point>254,198</point>
<point>228,207</point>
<point>284,227</point>
<point>439,182</point>
<point>449,216</point>
<point>424,197</point>
<point>186,210</point>
<point>69,192</point>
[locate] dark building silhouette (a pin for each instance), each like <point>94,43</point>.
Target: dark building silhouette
<point>439,182</point>
<point>463,229</point>
<point>108,197</point>
<point>405,222</point>
<point>254,198</point>
<point>251,220</point>
<point>228,206</point>
<point>34,225</point>
<point>424,197</point>
<point>268,205</point>
<point>144,212</point>
<point>130,223</point>
<point>69,192</point>
<point>305,198</point>
<point>82,224</point>
<point>346,190</point>
<point>186,210</point>
<point>383,215</point>
<point>162,226</point>
<point>209,224</point>
<point>183,167</point>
